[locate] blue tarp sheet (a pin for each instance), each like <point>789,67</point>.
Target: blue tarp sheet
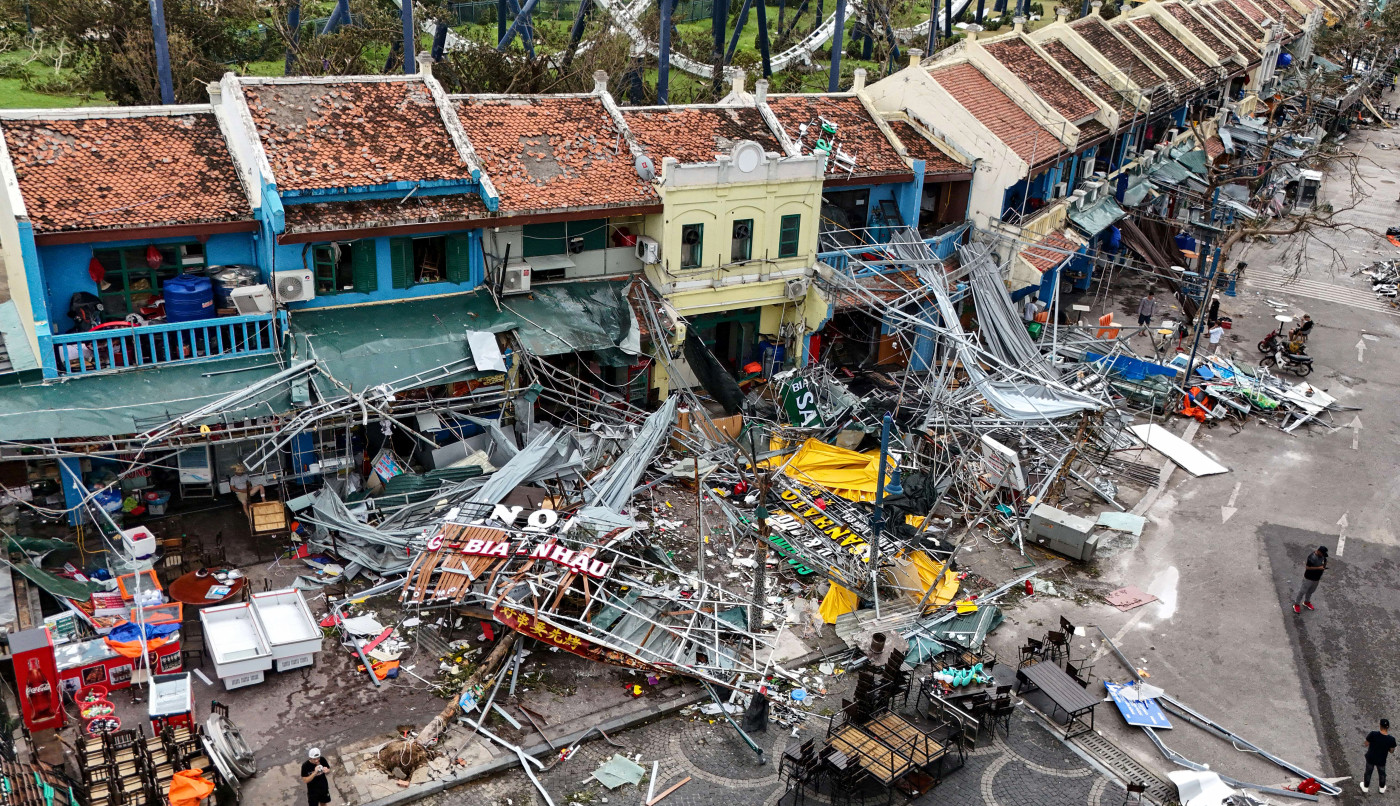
<point>1133,369</point>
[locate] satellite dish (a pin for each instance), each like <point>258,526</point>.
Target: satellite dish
<point>646,169</point>
<point>747,156</point>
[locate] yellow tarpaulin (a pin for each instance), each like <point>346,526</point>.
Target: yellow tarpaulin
<point>849,474</point>
<point>838,602</point>
<point>935,573</point>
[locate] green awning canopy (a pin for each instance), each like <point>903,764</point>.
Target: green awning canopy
<point>135,401</point>
<point>1194,161</point>
<point>364,346</point>
<point>1096,218</point>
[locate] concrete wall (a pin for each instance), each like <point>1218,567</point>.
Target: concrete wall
<point>995,167</point>
<point>717,194</point>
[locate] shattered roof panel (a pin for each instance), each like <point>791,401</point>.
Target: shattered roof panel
<point>550,152</point>
<point>1021,59</point>
<point>1095,31</point>
<point>351,215</point>
<point>697,133</point>
<point>857,133</point>
<point>121,172</point>
<point>1206,33</point>
<point>1076,67</point>
<point>352,133</point>
<point>1001,115</point>
<point>920,148</point>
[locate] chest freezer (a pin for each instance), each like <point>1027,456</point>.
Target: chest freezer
<point>236,643</point>
<point>291,631</point>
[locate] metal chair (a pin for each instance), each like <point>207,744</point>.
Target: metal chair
<point>1002,709</point>
<point>1134,794</point>
<point>1056,646</point>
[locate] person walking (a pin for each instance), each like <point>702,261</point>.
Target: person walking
<point>1312,574</point>
<point>313,774</point>
<point>1147,308</point>
<point>1379,745</point>
<point>1216,334</point>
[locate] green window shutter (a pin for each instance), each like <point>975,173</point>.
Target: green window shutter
<point>459,256</point>
<point>401,261</point>
<point>788,235</point>
<point>363,266</point>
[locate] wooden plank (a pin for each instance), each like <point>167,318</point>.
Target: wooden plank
<point>660,797</point>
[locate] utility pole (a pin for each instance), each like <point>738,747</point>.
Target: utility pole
<point>663,66</point>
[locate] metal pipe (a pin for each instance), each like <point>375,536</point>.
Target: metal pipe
<point>833,83</point>
<point>663,66</point>
<point>162,41</point>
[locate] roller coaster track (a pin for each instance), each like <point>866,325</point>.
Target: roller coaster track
<point>626,16</point>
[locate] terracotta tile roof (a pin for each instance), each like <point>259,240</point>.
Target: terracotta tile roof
<point>1222,48</point>
<point>1182,81</point>
<point>1040,76</point>
<point>920,148</point>
<point>1214,147</point>
<point>697,133</point>
<point>1061,53</point>
<point>1153,29</point>
<point>1248,28</point>
<point>1089,131</point>
<point>887,288</point>
<point>1236,29</point>
<point>1001,115</point>
<point>122,172</point>
<point>340,215</point>
<point>1049,252</point>
<point>1095,31</point>
<point>549,152</point>
<point>352,133</point>
<point>857,133</point>
<point>1281,11</point>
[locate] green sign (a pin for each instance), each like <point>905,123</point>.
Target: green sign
<point>800,403</point>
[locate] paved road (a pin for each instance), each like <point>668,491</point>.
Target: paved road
<point>1030,767</point>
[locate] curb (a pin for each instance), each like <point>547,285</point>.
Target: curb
<point>504,763</point>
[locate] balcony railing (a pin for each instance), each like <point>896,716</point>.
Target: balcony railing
<point>119,347</point>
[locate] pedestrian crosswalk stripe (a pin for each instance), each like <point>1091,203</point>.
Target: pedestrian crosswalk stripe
<point>1318,290</point>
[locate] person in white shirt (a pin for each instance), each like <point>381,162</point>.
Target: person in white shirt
<point>243,487</point>
<point>1216,333</point>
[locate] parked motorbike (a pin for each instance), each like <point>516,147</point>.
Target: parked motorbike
<point>1269,343</point>
<point>1299,364</point>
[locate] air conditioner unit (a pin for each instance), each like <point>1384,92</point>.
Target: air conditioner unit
<point>1171,135</point>
<point>251,300</point>
<point>648,250</point>
<point>1089,166</point>
<point>1061,189</point>
<point>295,286</point>
<point>517,279</point>
<point>796,289</point>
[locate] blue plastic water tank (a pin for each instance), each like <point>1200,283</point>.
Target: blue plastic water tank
<point>188,298</point>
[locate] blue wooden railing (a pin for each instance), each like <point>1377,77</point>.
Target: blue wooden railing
<point>119,348</point>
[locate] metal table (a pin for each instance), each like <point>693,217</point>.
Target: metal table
<point>1064,691</point>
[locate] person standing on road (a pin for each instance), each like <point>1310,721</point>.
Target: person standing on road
<point>313,774</point>
<point>1216,334</point>
<point>1312,574</point>
<point>1379,745</point>
<point>1147,308</point>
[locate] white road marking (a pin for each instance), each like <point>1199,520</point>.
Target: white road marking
<point>1342,535</point>
<point>1318,289</point>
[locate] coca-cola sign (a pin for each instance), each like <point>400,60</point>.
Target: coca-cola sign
<point>37,676</point>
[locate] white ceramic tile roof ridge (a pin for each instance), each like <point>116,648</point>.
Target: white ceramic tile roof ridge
<point>256,81</point>
<point>516,96</point>
<point>106,112</point>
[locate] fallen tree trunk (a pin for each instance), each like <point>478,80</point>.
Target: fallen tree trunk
<point>488,667</point>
